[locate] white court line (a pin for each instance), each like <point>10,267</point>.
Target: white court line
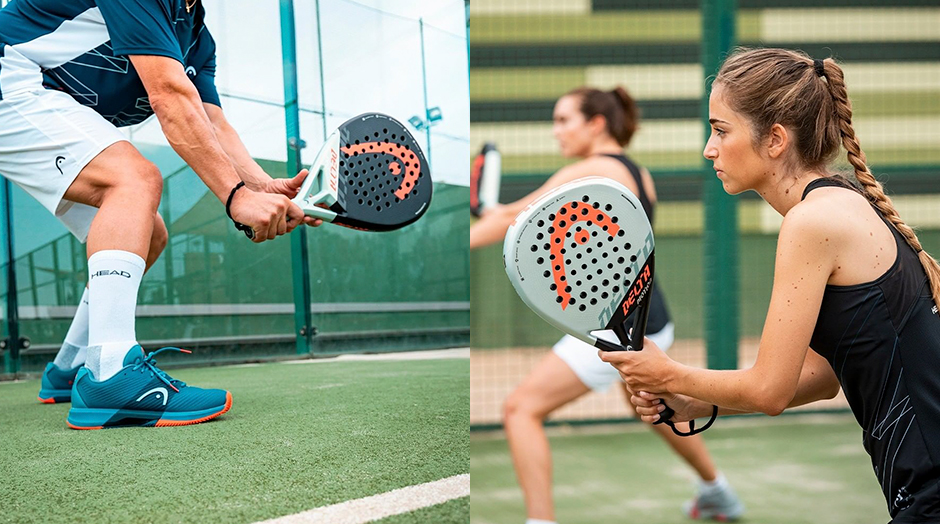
<point>432,354</point>
<point>395,502</point>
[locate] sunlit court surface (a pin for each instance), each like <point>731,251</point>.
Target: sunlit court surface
<point>302,435</point>
<point>343,349</point>
<point>716,253</point>
<point>802,469</point>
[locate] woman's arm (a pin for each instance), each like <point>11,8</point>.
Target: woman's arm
<point>817,382</point>
<point>804,262</point>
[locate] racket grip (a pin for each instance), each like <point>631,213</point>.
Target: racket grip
<point>665,415</point>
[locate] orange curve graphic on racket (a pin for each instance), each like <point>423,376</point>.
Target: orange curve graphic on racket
<point>565,218</point>
<point>407,157</point>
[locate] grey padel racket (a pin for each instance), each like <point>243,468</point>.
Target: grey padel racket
<point>582,257</point>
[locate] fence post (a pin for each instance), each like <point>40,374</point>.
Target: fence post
<point>300,264</point>
<point>720,242</point>
<point>12,342</point>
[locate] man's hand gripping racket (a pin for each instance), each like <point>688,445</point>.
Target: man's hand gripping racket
<point>369,175</point>
<point>582,258</point>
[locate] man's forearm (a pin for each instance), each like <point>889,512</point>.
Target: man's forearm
<point>246,167</point>
<point>190,133</point>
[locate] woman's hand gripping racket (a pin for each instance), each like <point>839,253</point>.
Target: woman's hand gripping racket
<point>370,175</point>
<point>582,258</point>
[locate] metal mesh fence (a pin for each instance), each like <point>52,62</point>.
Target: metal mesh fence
<point>525,55</point>
<point>233,300</point>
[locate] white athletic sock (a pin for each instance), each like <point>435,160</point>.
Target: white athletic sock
<point>72,352</point>
<point>719,483</point>
<point>539,521</point>
<point>114,279</point>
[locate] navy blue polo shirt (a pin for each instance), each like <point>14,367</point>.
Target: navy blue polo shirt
<point>81,48</point>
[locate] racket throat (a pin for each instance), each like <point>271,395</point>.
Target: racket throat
<point>320,195</point>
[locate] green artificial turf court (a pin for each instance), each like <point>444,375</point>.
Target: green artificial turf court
<point>298,436</point>
<point>794,469</point>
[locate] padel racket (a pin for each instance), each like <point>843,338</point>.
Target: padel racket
<point>370,175</point>
<point>485,176</point>
<point>582,257</point>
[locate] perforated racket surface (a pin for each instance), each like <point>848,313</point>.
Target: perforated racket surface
<point>485,174</point>
<point>370,174</point>
<point>581,257</point>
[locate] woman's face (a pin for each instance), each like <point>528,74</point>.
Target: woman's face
<point>570,128</point>
<point>731,148</point>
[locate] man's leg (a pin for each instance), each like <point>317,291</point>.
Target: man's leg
<point>58,377</point>
<point>126,189</point>
<point>120,385</point>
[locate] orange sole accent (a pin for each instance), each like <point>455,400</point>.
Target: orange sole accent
<point>78,427</point>
<point>165,423</point>
<point>46,400</point>
<point>228,405</point>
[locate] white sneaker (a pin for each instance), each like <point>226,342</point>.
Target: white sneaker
<point>719,503</point>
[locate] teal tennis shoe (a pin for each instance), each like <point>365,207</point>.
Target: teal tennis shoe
<point>141,394</point>
<point>57,384</point>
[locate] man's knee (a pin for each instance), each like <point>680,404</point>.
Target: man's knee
<point>141,177</point>
<point>118,170</point>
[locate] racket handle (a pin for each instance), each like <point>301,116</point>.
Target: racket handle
<point>665,415</point>
<point>317,212</point>
<point>249,232</point>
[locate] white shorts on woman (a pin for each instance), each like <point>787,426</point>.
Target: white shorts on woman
<point>591,370</point>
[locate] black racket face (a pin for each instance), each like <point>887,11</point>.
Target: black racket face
<point>579,256</point>
<point>384,180</point>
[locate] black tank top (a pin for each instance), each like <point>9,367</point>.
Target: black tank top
<point>882,339</point>
<point>659,313</point>
<point>638,178</point>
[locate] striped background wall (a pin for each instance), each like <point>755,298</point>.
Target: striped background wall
<point>525,54</point>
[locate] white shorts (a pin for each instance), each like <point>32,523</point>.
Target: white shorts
<point>591,370</point>
<point>46,139</point>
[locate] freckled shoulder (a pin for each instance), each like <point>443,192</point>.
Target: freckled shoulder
<point>813,225</point>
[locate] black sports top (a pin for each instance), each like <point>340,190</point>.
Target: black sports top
<point>659,314</point>
<point>638,177</point>
<point>882,339</point>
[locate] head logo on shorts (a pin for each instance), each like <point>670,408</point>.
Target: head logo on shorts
<point>191,71</point>
<point>58,163</point>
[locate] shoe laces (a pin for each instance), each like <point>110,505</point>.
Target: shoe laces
<point>148,363</point>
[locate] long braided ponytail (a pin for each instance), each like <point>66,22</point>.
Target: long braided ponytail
<point>790,88</point>
<point>872,188</point>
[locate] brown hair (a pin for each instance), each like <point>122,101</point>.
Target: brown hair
<point>782,86</point>
<point>617,108</point>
